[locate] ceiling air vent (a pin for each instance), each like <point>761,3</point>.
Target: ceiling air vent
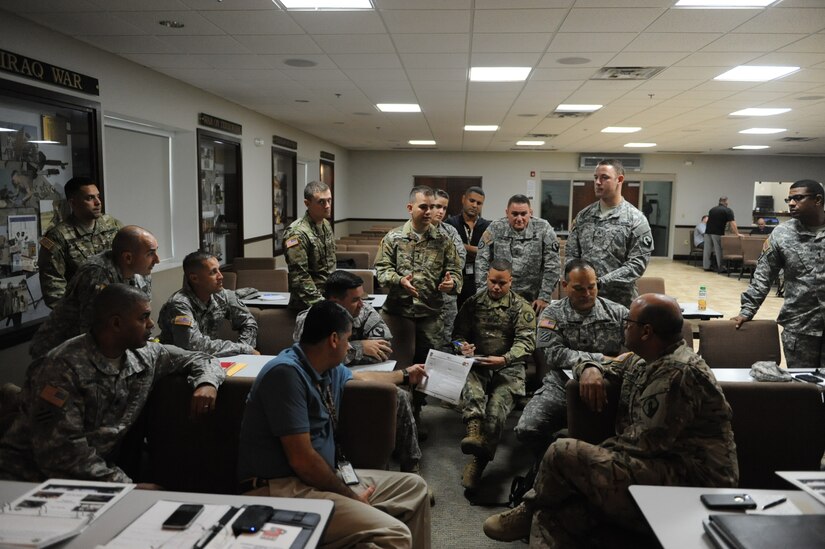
<point>626,73</point>
<point>796,139</point>
<point>569,114</point>
<point>544,135</point>
<point>631,163</point>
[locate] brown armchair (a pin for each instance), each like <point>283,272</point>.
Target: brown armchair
<point>723,346</point>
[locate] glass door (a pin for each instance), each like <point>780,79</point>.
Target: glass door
<point>220,196</point>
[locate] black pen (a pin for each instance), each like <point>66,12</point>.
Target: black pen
<point>774,503</point>
<point>217,527</point>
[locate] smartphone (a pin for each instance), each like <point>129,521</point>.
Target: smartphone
<point>183,517</point>
<point>252,518</point>
<point>728,501</point>
<point>809,378</point>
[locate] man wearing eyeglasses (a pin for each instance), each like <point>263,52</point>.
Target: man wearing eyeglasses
<point>796,247</point>
<point>673,428</point>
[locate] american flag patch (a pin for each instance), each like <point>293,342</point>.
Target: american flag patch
<point>291,242</point>
<point>547,323</point>
<point>183,320</point>
<point>54,395</point>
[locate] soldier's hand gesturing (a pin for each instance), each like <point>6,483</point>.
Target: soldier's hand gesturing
<point>447,284</point>
<point>407,284</point>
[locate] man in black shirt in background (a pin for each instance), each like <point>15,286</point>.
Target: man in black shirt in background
<point>470,226</point>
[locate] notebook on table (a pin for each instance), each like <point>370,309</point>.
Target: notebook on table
<point>766,531</point>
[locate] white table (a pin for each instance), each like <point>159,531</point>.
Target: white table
<point>691,310</point>
<point>136,502</point>
<point>675,513</point>
<point>742,375</point>
<point>281,299</point>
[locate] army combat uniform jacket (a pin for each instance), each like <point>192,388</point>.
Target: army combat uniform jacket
<point>618,245</point>
<point>534,253</point>
<point>191,324</point>
<point>309,249</point>
<point>428,259</point>
<point>367,325</point>
<point>65,247</point>
<point>79,404</point>
<point>72,315</point>
<point>672,410</point>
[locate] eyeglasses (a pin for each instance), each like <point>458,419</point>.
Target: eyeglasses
<point>628,319</point>
<point>798,198</point>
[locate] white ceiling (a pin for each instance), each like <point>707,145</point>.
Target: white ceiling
<point>420,51</point>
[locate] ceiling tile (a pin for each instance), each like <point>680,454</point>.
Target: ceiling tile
<point>358,75</point>
<point>726,60</point>
<point>751,42</point>
<point>339,22</point>
<point>355,43</point>
<point>248,62</point>
<point>129,5</point>
<point>624,19</point>
<point>786,20</point>
<point>435,60</point>
<point>85,23</point>
<point>254,22</point>
<point>366,61</point>
<point>646,59</point>
<point>703,21</point>
<point>596,60</point>
<point>48,6</point>
<point>432,43</point>
<point>504,59</point>
<point>562,74</point>
<point>323,62</point>
<point>668,41</point>
<point>129,44</point>
<point>148,22</point>
<point>424,22</point>
<point>790,59</point>
<point>523,4</point>
<point>423,4</point>
<point>510,43</point>
<point>315,73</point>
<point>582,42</point>
<point>515,21</point>
<point>168,61</point>
<point>417,75</point>
<point>265,5</point>
<point>276,44</point>
<point>205,44</point>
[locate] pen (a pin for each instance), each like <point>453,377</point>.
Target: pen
<point>217,527</point>
<point>774,503</point>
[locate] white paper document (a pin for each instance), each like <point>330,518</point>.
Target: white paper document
<point>386,366</point>
<point>447,375</point>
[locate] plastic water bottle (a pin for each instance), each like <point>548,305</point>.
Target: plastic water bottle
<point>703,298</point>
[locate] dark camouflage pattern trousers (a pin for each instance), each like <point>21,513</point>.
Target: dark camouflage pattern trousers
<point>488,395</point>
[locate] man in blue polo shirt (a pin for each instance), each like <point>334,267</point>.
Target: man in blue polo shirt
<point>287,443</point>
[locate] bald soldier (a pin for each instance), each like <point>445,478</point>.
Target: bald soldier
<point>673,428</point>
<point>130,261</point>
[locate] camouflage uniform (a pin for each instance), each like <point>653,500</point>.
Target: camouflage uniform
<point>567,337</point>
<point>310,256</point>
<point>534,253</point>
<point>450,310</point>
<point>428,259</point>
<point>799,251</point>
<point>618,245</point>
<point>672,428</point>
<point>507,328</point>
<point>191,324</point>
<point>72,315</point>
<point>65,247</point>
<point>79,404</point>
<point>370,325</point>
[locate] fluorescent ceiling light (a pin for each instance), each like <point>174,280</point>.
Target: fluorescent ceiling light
<point>621,129</point>
<point>524,143</point>
<point>578,108</point>
<point>327,4</point>
<point>398,107</point>
<point>44,142</point>
<point>756,73</point>
<point>421,142</point>
<point>764,131</point>
<point>723,3</point>
<point>750,147</point>
<point>759,112</point>
<point>499,74</point>
<point>7,130</point>
<point>639,145</point>
<point>488,128</point>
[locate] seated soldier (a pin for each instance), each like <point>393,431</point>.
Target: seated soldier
<point>287,441</point>
<point>80,400</point>
<point>582,326</point>
<point>499,325</point>
<point>370,343</point>
<point>673,428</point>
<point>191,318</point>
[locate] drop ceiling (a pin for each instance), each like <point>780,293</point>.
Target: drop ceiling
<point>420,51</point>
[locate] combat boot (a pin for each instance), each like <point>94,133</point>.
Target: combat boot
<point>511,525</point>
<point>471,477</point>
<point>473,444</point>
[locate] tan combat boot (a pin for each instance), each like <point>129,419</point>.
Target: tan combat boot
<point>473,444</point>
<point>511,525</point>
<point>471,477</point>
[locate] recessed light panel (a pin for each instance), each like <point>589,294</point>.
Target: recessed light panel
<point>524,143</point>
<point>499,74</point>
<point>487,128</point>
<point>421,142</point>
<point>572,107</point>
<point>639,145</point>
<point>621,129</point>
<point>399,107</point>
<point>759,112</point>
<point>756,73</point>
<point>327,4</point>
<point>750,147</point>
<point>763,131</point>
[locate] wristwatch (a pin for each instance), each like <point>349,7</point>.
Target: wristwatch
<point>406,380</point>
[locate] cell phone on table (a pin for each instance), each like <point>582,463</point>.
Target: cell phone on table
<point>728,502</point>
<point>183,517</point>
<point>809,378</point>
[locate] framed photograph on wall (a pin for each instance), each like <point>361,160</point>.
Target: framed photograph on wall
<point>284,190</point>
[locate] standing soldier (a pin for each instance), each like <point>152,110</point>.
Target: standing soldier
<point>500,326</point>
<point>797,247</point>
<point>450,310</point>
<point>470,226</point>
<point>310,248</point>
<point>67,245</point>
<point>529,244</point>
<point>613,235</point>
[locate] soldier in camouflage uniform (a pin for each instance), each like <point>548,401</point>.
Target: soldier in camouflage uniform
<point>368,344</point>
<point>193,315</point>
<point>67,245</point>
<point>134,252</point>
<point>612,235</point>
<point>500,326</point>
<point>309,246</point>
<point>797,247</point>
<point>582,326</point>
<point>450,310</point>
<point>529,244</point>
<point>80,400</point>
<point>673,428</point>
